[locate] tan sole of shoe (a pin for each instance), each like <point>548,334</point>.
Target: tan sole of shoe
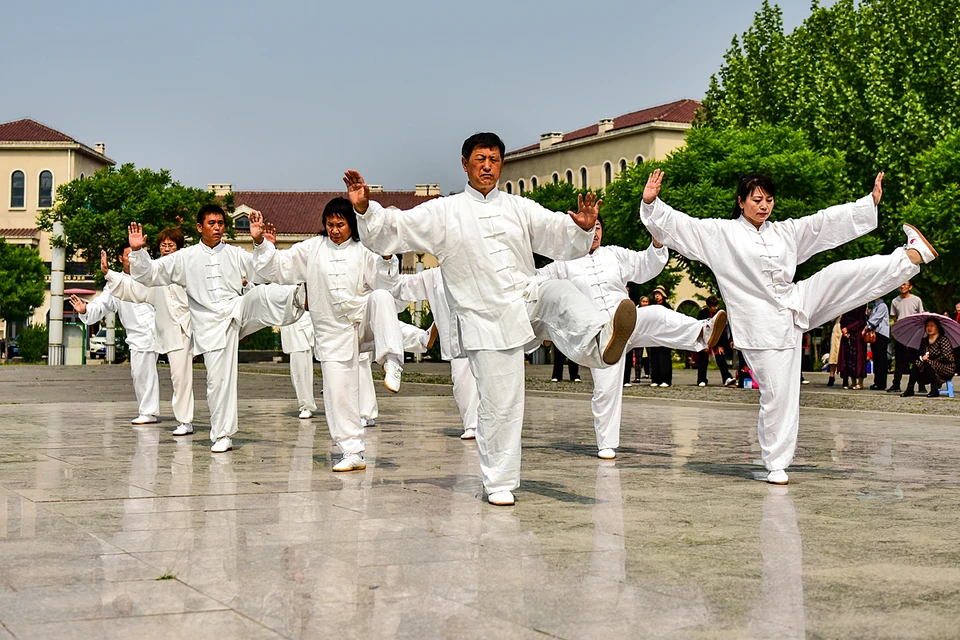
<point>925,241</point>
<point>434,333</point>
<point>503,504</point>
<point>778,483</point>
<point>719,324</point>
<point>387,387</point>
<point>361,468</point>
<point>624,322</point>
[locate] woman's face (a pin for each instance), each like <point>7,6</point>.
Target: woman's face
<point>757,207</point>
<point>338,229</point>
<point>657,297</point>
<point>932,328</point>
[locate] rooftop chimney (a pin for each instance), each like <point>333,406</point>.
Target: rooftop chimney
<point>376,188</point>
<point>101,148</point>
<point>606,124</point>
<point>547,140</point>
<point>427,190</point>
<point>220,190</point>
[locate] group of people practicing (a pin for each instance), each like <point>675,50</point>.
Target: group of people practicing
<point>491,305</point>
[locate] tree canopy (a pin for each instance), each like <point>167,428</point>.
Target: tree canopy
<point>22,281</point>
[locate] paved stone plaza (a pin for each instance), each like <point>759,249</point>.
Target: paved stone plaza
<point>107,530</point>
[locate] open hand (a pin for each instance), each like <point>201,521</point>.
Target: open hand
<point>357,191</point>
<point>588,208</point>
<point>135,236</point>
<point>270,233</point>
<point>80,306</point>
<point>878,189</point>
<point>257,226</point>
<point>104,265</point>
<point>652,188</point>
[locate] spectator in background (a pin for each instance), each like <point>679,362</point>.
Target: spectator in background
<point>642,371</point>
<point>904,306</point>
<point>853,350</point>
<point>558,360</point>
<point>879,322</point>
<point>835,337</point>
<point>661,358</point>
<point>936,364</point>
<point>719,352</point>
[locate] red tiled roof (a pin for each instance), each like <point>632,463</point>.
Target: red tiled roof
<point>18,233</point>
<point>298,212</point>
<point>679,111</point>
<point>27,130</point>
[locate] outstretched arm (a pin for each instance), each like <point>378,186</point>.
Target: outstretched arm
<point>287,266</point>
<point>149,272</point>
<point>97,309</point>
<point>559,236</point>
<point>690,236</point>
<point>640,266</point>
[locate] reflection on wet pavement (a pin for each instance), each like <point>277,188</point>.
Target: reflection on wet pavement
<point>113,531</point>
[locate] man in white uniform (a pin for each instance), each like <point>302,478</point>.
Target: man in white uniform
<point>139,321</point>
<point>296,340</point>
<point>602,275</point>
<point>212,273</point>
<point>485,240</point>
<point>428,285</point>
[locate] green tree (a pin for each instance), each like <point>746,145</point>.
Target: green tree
<point>22,281</point>
<point>33,342</point>
<point>95,212</point>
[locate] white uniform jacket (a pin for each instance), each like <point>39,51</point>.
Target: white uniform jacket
<point>428,285</point>
<point>339,278</point>
<point>755,267</point>
<point>297,336</point>
<point>170,304</point>
<point>603,275</point>
<point>485,246</point>
<point>213,280</point>
<point>138,319</point>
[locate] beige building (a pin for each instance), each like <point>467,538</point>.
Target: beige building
<point>592,157</point>
<point>34,161</point>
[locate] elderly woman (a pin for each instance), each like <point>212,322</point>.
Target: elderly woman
<point>853,349</point>
<point>755,260</point>
<point>936,364</point>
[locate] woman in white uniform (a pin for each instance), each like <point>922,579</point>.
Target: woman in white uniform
<point>602,275</point>
<point>349,304</point>
<point>754,261</point>
<point>297,340</point>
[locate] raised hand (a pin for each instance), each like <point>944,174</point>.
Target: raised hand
<point>588,208</point>
<point>104,265</point>
<point>80,306</point>
<point>270,233</point>
<point>357,191</point>
<point>652,188</point>
<point>135,236</point>
<point>878,189</point>
<point>257,226</point>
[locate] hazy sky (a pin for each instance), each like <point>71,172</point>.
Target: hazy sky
<point>285,95</point>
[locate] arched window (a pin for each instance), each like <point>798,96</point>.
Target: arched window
<point>520,186</point>
<point>533,182</point>
<point>45,201</point>
<point>18,189</point>
<point>639,159</point>
<point>623,165</point>
<point>81,176</point>
<point>607,174</point>
<point>556,178</point>
<point>583,178</point>
<point>569,177</point>
<point>241,223</point>
<point>509,187</point>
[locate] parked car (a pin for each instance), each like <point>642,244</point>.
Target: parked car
<point>98,344</point>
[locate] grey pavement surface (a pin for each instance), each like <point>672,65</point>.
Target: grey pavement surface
<point>108,530</point>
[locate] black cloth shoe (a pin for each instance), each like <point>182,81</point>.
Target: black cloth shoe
<point>894,389</point>
<point>933,394</point>
<point>831,381</point>
<point>907,393</point>
<point>922,388</point>
<point>874,387</point>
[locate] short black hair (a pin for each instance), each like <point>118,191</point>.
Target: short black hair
<point>712,301</point>
<point>747,184</point>
<point>208,209</point>
<point>484,140</point>
<point>340,208</point>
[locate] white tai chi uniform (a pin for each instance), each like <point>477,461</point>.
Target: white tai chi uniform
<point>219,314</point>
<point>603,276</point>
<point>173,334</point>
<point>414,341</point>
<point>296,340</point>
<point>768,311</point>
<point>485,246</point>
<point>428,285</point>
<point>139,321</point>
<point>348,306</point>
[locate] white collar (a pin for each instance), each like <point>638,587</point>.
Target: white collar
<point>476,195</point>
<point>763,226</point>
<point>216,249</point>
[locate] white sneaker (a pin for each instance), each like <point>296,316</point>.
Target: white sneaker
<point>185,429</point>
<point>730,382</point>
<point>714,327</point>
<point>144,419</point>
<point>553,380</point>
<point>501,498</point>
<point>615,334</point>
<point>222,444</point>
<point>305,414</point>
<point>368,422</point>
<point>576,380</point>
<point>915,240</point>
<point>702,384</point>
<point>607,454</point>
<point>627,384</point>
<point>391,376</point>
<point>654,384</point>
<point>664,384</point>
<point>351,462</point>
<point>777,476</point>
<point>469,434</point>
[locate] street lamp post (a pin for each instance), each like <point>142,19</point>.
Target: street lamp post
<point>57,265</point>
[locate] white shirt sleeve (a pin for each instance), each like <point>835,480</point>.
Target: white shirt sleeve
<point>554,234</point>
<point>287,266</point>
<point>641,266</point>
<point>128,289</point>
<point>162,271</point>
<point>832,227</point>
<point>690,236</point>
<point>101,306</point>
<point>389,231</point>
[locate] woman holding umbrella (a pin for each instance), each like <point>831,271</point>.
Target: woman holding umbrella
<point>936,364</point>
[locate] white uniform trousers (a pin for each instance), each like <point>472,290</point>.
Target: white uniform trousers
<point>146,382</point>
<point>562,314</point>
<point>341,403</point>
<point>465,392</point>
<point>267,305</point>
<point>656,326</point>
<point>368,392</point>
<point>301,373</point>
<point>380,326</point>
<point>500,383</point>
<point>824,296</point>
<point>181,376</point>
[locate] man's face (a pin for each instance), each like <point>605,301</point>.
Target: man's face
<point>125,260</point>
<point>597,237</point>
<point>483,168</point>
<point>167,247</point>
<point>712,310</point>
<point>211,231</point>
<point>337,229</point>
<point>905,288</point>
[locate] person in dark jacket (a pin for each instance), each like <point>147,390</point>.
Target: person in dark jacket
<point>661,358</point>
<point>936,364</point>
<point>719,352</point>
